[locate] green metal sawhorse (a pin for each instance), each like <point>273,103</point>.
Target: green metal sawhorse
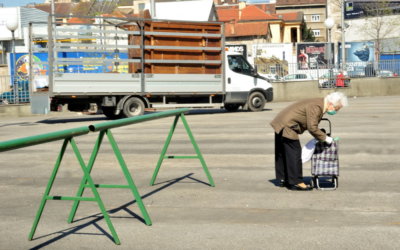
<point>87,181</point>
<point>195,146</point>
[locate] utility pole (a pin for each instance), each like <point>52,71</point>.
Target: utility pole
<point>342,10</point>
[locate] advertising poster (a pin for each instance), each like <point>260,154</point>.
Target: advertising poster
<point>359,51</point>
<point>281,51</point>
<point>272,59</point>
<point>362,8</point>
<point>239,48</point>
<point>359,56</point>
<point>40,67</point>
<point>21,67</point>
<point>314,55</point>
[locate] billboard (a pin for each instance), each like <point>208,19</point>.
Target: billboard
<point>282,51</point>
<point>361,8</point>
<point>358,51</point>
<point>359,56</point>
<point>314,55</point>
<point>21,66</point>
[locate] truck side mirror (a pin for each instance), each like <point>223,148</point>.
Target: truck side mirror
<point>254,70</point>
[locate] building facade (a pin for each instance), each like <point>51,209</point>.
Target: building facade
<point>314,14</point>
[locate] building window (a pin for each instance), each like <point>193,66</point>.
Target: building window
<point>142,6</point>
<point>315,18</point>
<point>316,32</point>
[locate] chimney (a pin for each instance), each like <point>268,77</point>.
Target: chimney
<point>242,5</point>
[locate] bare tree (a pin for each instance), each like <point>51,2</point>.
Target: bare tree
<point>378,24</point>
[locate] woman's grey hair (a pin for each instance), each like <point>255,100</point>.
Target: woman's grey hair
<point>337,98</point>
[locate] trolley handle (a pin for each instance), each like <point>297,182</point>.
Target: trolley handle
<point>330,125</point>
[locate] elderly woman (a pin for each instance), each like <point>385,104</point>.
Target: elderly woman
<point>292,121</point>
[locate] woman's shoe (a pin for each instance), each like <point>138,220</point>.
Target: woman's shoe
<point>301,187</point>
<point>283,183</point>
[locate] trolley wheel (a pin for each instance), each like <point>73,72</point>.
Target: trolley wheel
<point>314,183</point>
<point>335,181</point>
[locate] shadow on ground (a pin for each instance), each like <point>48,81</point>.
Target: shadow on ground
<point>98,217</point>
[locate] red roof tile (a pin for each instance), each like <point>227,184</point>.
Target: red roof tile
<point>291,16</point>
<point>60,8</point>
<point>252,13</point>
<point>117,14</point>
<point>77,20</point>
<point>246,29</point>
<point>226,15</point>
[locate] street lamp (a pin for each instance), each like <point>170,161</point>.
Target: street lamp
<point>12,25</point>
<point>329,23</point>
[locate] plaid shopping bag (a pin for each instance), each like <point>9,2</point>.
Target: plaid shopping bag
<point>325,160</point>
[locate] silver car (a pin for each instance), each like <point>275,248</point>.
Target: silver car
<point>297,77</point>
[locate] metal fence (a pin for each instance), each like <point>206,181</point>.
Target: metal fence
<point>13,93</point>
<point>283,71</point>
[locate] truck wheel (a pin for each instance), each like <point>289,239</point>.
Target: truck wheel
<point>231,107</point>
<point>256,101</point>
<point>109,112</point>
<point>133,107</point>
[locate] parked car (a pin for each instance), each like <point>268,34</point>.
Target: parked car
<point>385,73</point>
<point>297,77</point>
<point>270,77</point>
<point>328,80</point>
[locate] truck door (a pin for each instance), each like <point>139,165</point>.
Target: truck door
<point>240,75</point>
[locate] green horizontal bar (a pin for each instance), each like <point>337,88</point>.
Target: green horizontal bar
<point>181,157</point>
<point>68,198</point>
<point>108,186</point>
<point>42,138</point>
<point>135,119</point>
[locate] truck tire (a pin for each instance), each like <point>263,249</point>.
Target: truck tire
<point>231,107</point>
<point>256,101</point>
<point>133,107</point>
<point>109,112</point>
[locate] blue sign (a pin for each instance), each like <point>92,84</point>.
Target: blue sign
<point>41,67</point>
<point>359,57</point>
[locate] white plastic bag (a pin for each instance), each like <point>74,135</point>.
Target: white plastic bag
<point>308,150</point>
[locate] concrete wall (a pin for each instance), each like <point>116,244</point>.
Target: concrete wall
<point>4,71</point>
<point>5,84</point>
<point>374,86</point>
<point>15,110</point>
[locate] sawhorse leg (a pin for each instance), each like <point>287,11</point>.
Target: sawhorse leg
<point>90,182</point>
<point>131,185</point>
<point>195,146</point>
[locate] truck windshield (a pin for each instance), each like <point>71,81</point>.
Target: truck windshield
<point>238,64</point>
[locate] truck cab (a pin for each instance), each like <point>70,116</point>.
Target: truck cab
<point>244,86</point>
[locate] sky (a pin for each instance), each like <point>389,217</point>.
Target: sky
<point>15,3</point>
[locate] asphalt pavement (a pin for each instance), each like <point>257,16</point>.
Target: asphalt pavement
<point>245,210</point>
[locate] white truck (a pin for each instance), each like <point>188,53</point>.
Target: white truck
<point>128,65</point>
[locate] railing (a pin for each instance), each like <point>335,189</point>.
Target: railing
<point>104,129</point>
<point>278,71</point>
<point>11,93</point>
